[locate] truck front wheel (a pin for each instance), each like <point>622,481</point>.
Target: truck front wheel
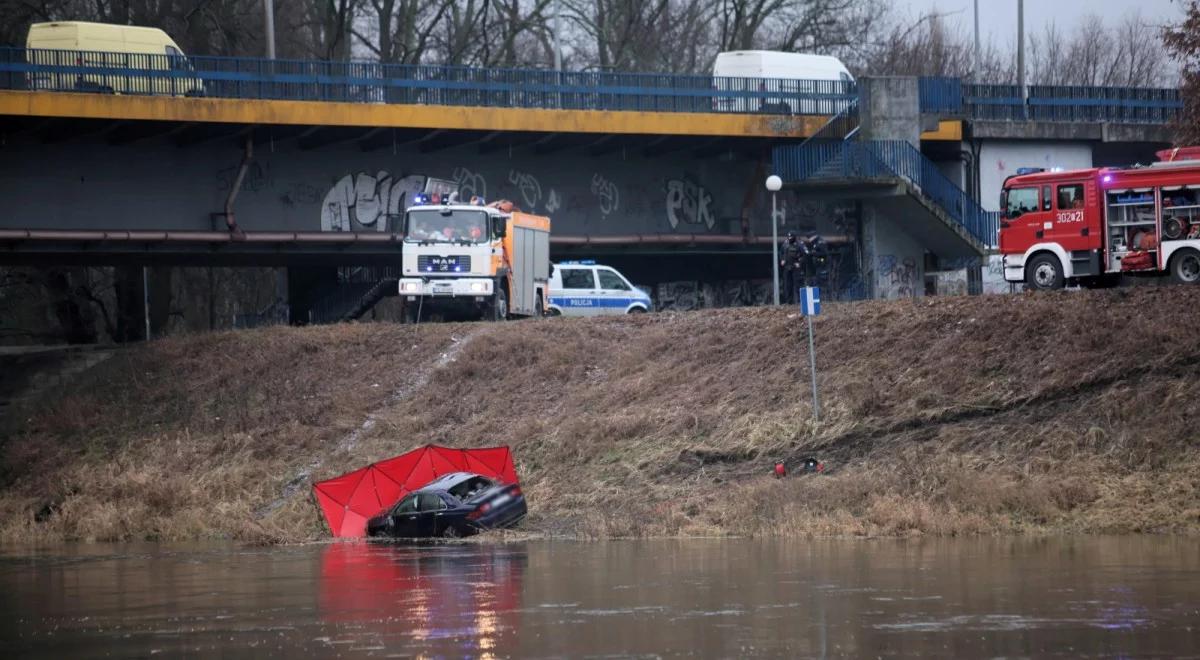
<point>1044,273</point>
<point>1185,266</point>
<point>499,311</point>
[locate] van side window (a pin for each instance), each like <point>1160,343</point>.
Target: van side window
<point>1070,197</point>
<point>174,58</point>
<point>578,278</point>
<point>610,280</point>
<point>1021,201</point>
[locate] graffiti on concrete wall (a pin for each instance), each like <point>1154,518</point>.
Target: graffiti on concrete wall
<point>470,184</point>
<point>677,296</point>
<point>366,201</point>
<point>951,283</point>
<point>528,186</point>
<point>737,293</point>
<point>690,295</point>
<point>688,202</point>
<point>897,277</point>
<point>258,177</point>
<point>607,196</point>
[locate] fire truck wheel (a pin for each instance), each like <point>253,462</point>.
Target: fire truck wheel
<point>1185,266</point>
<point>1044,273</point>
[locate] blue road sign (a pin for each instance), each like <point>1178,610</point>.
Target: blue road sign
<point>810,300</point>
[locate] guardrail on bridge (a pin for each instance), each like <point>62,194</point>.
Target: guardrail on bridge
<point>373,82</point>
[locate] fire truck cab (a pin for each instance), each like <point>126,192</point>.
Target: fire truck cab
<point>1090,226</point>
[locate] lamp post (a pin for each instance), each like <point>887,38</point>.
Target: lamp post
<point>774,183</point>
<point>269,27</point>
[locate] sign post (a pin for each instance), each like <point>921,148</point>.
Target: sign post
<point>810,306</point>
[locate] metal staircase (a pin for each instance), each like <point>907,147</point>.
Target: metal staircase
<point>835,154</point>
<point>356,292</point>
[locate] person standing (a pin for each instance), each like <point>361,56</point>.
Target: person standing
<point>816,260</point>
<point>791,259</point>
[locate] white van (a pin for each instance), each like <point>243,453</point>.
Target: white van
<point>584,288</point>
<point>136,55</point>
<point>790,74</point>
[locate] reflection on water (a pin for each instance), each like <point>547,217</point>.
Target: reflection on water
<point>945,598</point>
<point>396,595</point>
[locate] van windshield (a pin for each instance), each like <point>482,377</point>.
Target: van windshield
<point>435,225</point>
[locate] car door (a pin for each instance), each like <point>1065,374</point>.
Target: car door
<point>1023,221</point>
<point>615,293</point>
<point>404,516</point>
<point>1070,227</point>
<point>430,509</point>
<point>579,292</point>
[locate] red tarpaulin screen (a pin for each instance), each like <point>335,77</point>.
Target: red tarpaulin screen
<point>350,500</point>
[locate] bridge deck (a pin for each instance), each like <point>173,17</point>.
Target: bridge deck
<point>324,113</point>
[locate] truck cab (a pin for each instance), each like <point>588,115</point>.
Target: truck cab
<point>474,260</point>
<point>1051,228</point>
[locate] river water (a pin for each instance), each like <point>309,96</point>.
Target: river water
<point>1067,597</point>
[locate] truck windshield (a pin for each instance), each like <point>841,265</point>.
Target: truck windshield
<point>435,225</point>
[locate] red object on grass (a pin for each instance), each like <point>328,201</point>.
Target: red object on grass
<point>350,500</point>
<point>780,470</point>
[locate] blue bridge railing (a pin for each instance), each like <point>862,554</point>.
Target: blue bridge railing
<point>940,95</point>
<point>886,159</point>
<point>1130,105</point>
<point>372,82</point>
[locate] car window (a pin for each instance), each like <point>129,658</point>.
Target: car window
<point>610,280</point>
<point>406,505</point>
<point>470,487</point>
<point>430,502</point>
<point>578,278</point>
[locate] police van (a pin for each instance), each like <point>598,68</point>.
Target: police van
<point>584,288</point>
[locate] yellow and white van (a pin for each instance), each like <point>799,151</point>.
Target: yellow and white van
<point>143,60</point>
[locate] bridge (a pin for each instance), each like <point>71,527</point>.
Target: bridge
<point>134,159</point>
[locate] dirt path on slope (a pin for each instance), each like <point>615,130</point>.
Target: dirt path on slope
<point>348,443</point>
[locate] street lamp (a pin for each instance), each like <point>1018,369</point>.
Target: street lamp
<point>774,183</point>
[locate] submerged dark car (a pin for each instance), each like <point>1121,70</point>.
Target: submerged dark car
<point>458,504</point>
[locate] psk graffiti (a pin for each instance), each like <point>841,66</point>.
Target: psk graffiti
<point>688,202</point>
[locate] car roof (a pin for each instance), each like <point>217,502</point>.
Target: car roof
<point>447,481</point>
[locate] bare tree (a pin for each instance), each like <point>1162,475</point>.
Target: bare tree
<point>1183,42</point>
<point>1096,54</point>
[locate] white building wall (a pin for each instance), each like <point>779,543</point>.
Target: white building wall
<point>1001,159</point>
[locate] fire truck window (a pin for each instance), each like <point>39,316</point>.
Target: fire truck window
<point>1070,197</point>
<point>1021,201</point>
<point>1045,198</point>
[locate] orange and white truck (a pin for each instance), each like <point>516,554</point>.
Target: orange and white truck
<point>473,260</point>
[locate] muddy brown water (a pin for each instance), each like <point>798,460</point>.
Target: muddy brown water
<point>1066,597</point>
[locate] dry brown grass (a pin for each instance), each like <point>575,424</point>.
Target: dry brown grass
<point>1036,413</point>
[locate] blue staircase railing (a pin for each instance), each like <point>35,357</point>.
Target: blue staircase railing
<point>886,159</point>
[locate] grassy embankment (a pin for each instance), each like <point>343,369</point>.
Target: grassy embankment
<point>1071,412</point>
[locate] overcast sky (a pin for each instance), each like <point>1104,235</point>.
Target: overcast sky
<point>998,18</point>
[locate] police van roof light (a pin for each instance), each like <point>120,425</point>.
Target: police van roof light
<point>580,262</point>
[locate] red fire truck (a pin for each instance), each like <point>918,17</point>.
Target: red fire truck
<point>1091,226</point>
